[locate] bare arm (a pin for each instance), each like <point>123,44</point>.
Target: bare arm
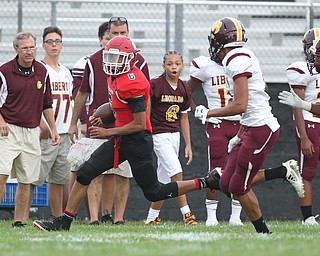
<point>138,124</point>
<point>194,84</point>
<point>4,129</point>
<point>315,109</point>
<point>306,145</point>
<point>185,130</point>
<point>78,107</point>
<point>239,103</point>
<point>48,115</point>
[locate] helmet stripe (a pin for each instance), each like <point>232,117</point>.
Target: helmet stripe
<point>316,33</point>
<point>239,29</point>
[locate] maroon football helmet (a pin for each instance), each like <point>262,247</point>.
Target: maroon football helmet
<point>119,56</point>
<point>226,32</point>
<point>308,40</point>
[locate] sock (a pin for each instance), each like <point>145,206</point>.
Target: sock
<point>68,216</point>
<point>152,215</point>
<point>185,209</point>
<point>260,225</point>
<point>200,183</point>
<point>275,173</point>
<point>306,211</point>
<point>235,209</point>
<point>211,206</point>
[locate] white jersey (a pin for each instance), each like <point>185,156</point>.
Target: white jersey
<point>213,82</point>
<point>242,62</point>
<point>79,66</point>
<point>61,87</point>
<point>299,76</point>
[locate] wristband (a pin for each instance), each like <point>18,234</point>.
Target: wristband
<point>305,105</point>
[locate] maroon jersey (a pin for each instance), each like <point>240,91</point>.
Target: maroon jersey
<point>167,104</point>
<point>23,97</point>
<point>126,86</point>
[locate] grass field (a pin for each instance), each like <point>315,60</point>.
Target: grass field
<point>169,238</point>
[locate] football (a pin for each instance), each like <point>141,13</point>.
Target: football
<point>105,112</point>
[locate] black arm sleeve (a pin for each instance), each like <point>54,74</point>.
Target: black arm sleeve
<point>137,104</point>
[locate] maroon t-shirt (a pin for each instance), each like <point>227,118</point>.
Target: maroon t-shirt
<point>23,98</point>
<point>167,104</point>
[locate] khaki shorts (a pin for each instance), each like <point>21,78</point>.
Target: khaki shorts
<point>20,155</point>
<point>55,168</point>
<point>82,150</point>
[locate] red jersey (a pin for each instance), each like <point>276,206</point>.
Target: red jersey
<point>23,97</point>
<point>127,86</point>
<point>167,103</point>
<point>94,81</point>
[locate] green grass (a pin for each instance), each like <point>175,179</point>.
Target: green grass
<point>169,238</point>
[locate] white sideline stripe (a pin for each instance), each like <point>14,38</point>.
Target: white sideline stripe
<point>136,237</point>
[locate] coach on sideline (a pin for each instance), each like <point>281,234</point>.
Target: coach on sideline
<point>24,95</point>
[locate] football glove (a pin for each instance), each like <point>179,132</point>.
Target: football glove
<point>201,113</point>
<point>213,120</point>
<point>293,100</point>
<point>234,141</point>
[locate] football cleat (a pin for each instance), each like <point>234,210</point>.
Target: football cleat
<point>213,178</point>
<point>156,221</point>
<point>293,176</point>
<point>189,219</point>
<point>56,224</point>
<point>311,221</point>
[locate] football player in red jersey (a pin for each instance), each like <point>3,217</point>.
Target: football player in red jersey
<point>130,140</point>
<point>94,88</point>
<point>170,103</point>
<point>24,95</point>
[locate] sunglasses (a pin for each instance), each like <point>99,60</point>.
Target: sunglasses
<point>122,19</point>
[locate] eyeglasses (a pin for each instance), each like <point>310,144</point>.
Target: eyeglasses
<point>26,49</point>
<point>51,41</point>
<point>114,19</point>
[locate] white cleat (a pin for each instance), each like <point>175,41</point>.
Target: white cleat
<point>294,177</point>
<point>212,223</point>
<point>311,221</point>
<point>235,222</point>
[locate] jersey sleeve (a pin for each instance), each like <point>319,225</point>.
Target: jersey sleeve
<point>139,86</point>
<point>197,67</point>
<point>239,64</point>
<point>297,75</point>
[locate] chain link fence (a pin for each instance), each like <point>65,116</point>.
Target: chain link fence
<point>275,30</point>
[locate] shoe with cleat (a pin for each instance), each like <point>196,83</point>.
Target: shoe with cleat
<point>189,219</point>
<point>293,176</point>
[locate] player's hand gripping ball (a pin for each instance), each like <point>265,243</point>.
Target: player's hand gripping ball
<point>105,112</point>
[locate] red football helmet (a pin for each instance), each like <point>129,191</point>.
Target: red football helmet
<point>119,56</point>
<point>226,32</point>
<point>308,40</point>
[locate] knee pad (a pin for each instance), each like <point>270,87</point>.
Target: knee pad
<point>83,174</point>
<point>160,192</point>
